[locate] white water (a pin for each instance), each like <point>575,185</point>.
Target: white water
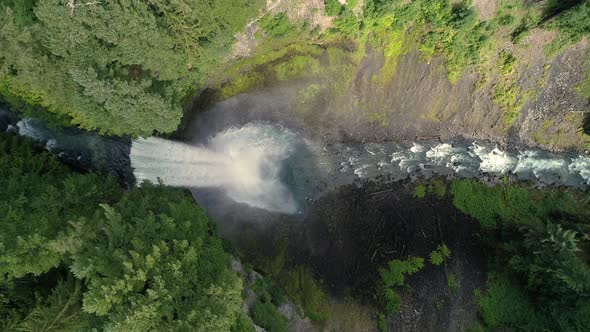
<point>474,160</point>
<point>245,163</point>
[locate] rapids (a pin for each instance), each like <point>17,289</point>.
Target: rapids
<point>271,167</point>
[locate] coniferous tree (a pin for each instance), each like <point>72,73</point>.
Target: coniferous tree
<point>122,67</point>
<point>77,253</point>
<point>39,201</point>
<point>151,263</point>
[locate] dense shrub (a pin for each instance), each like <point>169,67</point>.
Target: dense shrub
<point>301,286</point>
<point>573,24</point>
<point>395,276</point>
<point>505,304</point>
<point>278,25</point>
<point>243,324</point>
<point>540,242</point>
<point>334,7</point>
<point>266,315</point>
<point>515,203</point>
<point>440,254</point>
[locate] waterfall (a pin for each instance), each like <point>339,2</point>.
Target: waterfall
<point>272,168</point>
<point>246,163</point>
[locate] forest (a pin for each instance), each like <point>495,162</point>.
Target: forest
<point>129,76</point>
<point>82,251</point>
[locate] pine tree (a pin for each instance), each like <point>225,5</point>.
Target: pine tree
<point>151,263</point>
<point>39,201</point>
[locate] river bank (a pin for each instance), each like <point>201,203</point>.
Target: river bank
<point>351,232</point>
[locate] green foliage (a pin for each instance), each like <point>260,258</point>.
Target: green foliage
<point>204,29</point>
<point>334,8</point>
<point>150,263</point>
<point>575,318</point>
<point>309,100</point>
<point>548,260</point>
<point>266,289</point>
<point>352,4</point>
<point>23,10</point>
<point>297,67</point>
<point>301,286</point>
<point>515,203</point>
<point>451,30</point>
<point>38,201</point>
<point>275,265</point>
<point>395,276</point>
<point>381,323</point>
<point>517,15</point>
<point>438,188</point>
<point>507,63</point>
<point>507,93</point>
<point>397,270</point>
<point>278,26</point>
<point>521,31</point>
<point>129,76</point>
<point>506,305</point>
<point>435,187</point>
<point>573,24</point>
<point>468,195</point>
<point>440,254</point>
<point>266,315</point>
<point>60,311</point>
<point>259,70</point>
<point>420,191</point>
<point>243,324</point>
<point>584,87</point>
<point>452,283</point>
<point>341,69</point>
<point>241,84</point>
<point>347,24</point>
<point>509,96</point>
<point>397,27</point>
<point>540,262</point>
<point>506,20</point>
<point>393,302</point>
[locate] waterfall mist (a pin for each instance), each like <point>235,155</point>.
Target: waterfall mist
<point>245,163</point>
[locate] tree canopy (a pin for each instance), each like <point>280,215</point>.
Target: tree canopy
<point>122,67</point>
<point>539,263</point>
<point>79,253</point>
<point>38,201</point>
<point>150,263</point>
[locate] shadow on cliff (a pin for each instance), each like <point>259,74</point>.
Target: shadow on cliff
<point>554,8</point>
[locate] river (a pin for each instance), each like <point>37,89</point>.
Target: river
<point>272,165</point>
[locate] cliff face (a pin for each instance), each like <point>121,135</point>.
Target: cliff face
<point>420,101</point>
<point>381,86</point>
